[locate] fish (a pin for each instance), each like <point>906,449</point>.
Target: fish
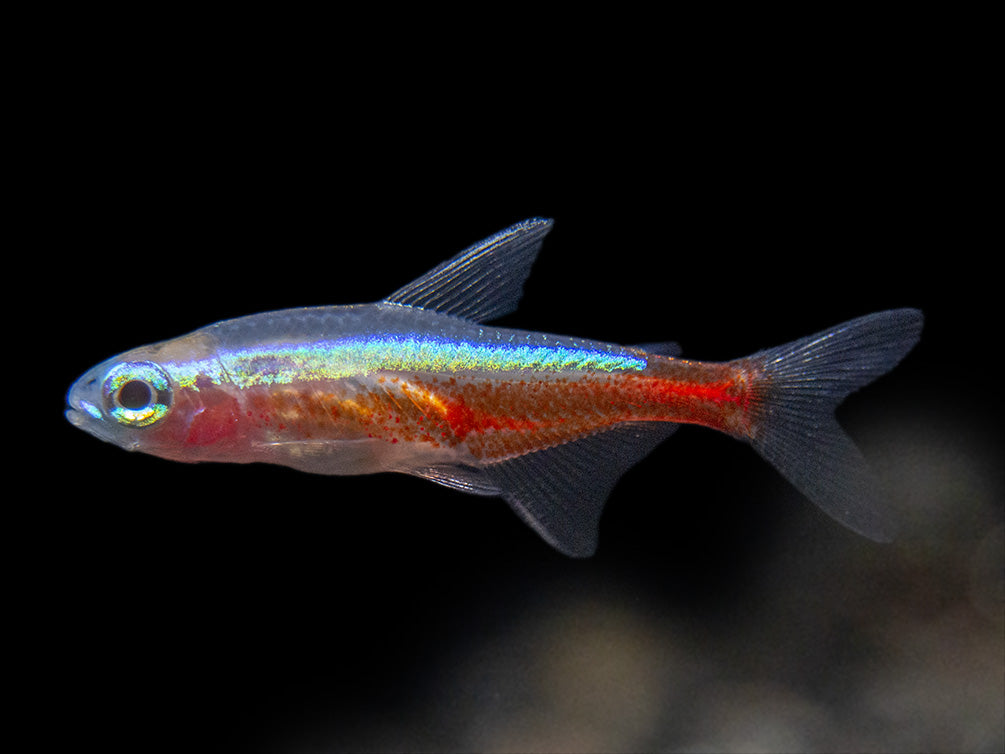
<point>418,383</point>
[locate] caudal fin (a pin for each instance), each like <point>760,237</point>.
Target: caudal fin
<point>793,424</point>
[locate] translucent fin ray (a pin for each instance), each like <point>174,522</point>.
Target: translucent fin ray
<point>795,429</point>
<point>560,492</point>
<point>461,478</point>
<point>483,282</point>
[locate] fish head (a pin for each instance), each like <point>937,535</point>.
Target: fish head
<point>146,399</point>
<point>117,399</point>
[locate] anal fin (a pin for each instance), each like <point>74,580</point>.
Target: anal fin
<point>560,492</point>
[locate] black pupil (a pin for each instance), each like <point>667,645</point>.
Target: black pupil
<point>135,395</point>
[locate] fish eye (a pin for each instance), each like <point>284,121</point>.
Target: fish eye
<point>137,393</point>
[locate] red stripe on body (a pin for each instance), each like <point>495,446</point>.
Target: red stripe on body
<point>493,417</point>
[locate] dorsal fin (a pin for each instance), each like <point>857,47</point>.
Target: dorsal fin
<point>483,282</point>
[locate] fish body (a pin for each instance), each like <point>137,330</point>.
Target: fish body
<point>419,384</point>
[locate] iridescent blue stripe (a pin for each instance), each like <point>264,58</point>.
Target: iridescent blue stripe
<point>287,363</point>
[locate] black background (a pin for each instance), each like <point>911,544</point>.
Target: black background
<point>728,206</point>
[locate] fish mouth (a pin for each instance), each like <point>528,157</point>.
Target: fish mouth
<point>86,415</point>
<point>75,417</point>
<point>78,411</point>
<point>83,418</point>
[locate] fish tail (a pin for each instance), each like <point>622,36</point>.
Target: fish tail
<point>793,398</point>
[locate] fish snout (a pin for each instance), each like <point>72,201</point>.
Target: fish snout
<point>83,409</point>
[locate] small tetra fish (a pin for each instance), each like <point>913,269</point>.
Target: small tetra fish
<point>416,384</point>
